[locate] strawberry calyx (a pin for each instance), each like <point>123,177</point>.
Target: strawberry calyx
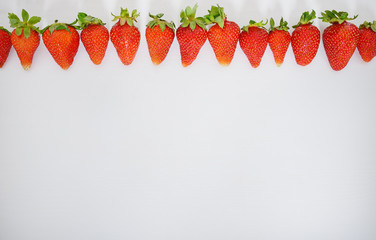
<point>26,25</point>
<point>253,23</point>
<point>188,18</point>
<point>60,26</point>
<point>4,29</point>
<point>335,17</point>
<point>282,25</point>
<point>158,21</point>
<point>306,18</point>
<point>126,18</point>
<point>85,20</point>
<point>371,25</point>
<point>216,15</point>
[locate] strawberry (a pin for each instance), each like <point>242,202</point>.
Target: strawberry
<point>223,36</point>
<point>279,40</point>
<point>125,36</point>
<point>62,41</point>
<point>191,35</point>
<point>5,45</point>
<point>367,41</point>
<point>253,41</point>
<point>25,38</point>
<point>94,36</point>
<point>340,39</point>
<point>305,39</point>
<point>159,37</point>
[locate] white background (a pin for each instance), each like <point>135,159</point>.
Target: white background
<point>204,152</point>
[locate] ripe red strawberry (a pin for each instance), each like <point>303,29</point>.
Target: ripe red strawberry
<point>94,36</point>
<point>62,41</point>
<point>253,41</point>
<point>191,35</point>
<point>367,41</point>
<point>5,45</point>
<point>125,36</point>
<point>223,36</point>
<point>340,39</point>
<point>159,37</point>
<point>25,38</point>
<point>305,39</point>
<point>279,40</point>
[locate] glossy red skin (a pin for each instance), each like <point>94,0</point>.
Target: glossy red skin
<point>5,46</point>
<point>367,44</point>
<point>126,40</point>
<point>25,47</point>
<point>159,42</point>
<point>340,41</point>
<point>95,40</point>
<point>254,43</point>
<point>279,42</point>
<point>190,43</point>
<point>224,41</point>
<point>305,41</point>
<point>62,45</point>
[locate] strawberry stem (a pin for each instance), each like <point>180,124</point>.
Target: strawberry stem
<point>158,21</point>
<point>126,18</point>
<point>60,26</point>
<point>370,25</point>
<point>253,23</point>
<point>282,25</point>
<point>26,25</point>
<point>306,18</point>
<point>85,20</point>
<point>216,15</point>
<point>335,17</point>
<point>188,18</point>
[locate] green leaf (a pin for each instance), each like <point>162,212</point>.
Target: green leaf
<point>134,13</point>
<point>162,26</point>
<point>221,23</point>
<point>13,20</point>
<point>182,15</point>
<point>34,20</point>
<point>188,11</point>
<point>62,27</point>
<point>373,27</point>
<point>194,10</point>
<point>129,22</point>
<point>192,25</point>
<point>25,15</point>
<point>51,29</point>
<point>272,24</point>
<point>185,23</point>
<point>18,31</point>
<point>81,15</point>
<point>27,32</point>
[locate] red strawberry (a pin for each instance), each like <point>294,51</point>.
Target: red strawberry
<point>159,37</point>
<point>94,36</point>
<point>191,35</point>
<point>25,38</point>
<point>253,41</point>
<point>367,41</point>
<point>279,40</point>
<point>5,45</point>
<point>305,39</point>
<point>340,39</point>
<point>223,36</point>
<point>62,41</point>
<point>125,36</point>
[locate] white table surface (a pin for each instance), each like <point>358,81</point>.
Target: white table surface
<point>204,152</point>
